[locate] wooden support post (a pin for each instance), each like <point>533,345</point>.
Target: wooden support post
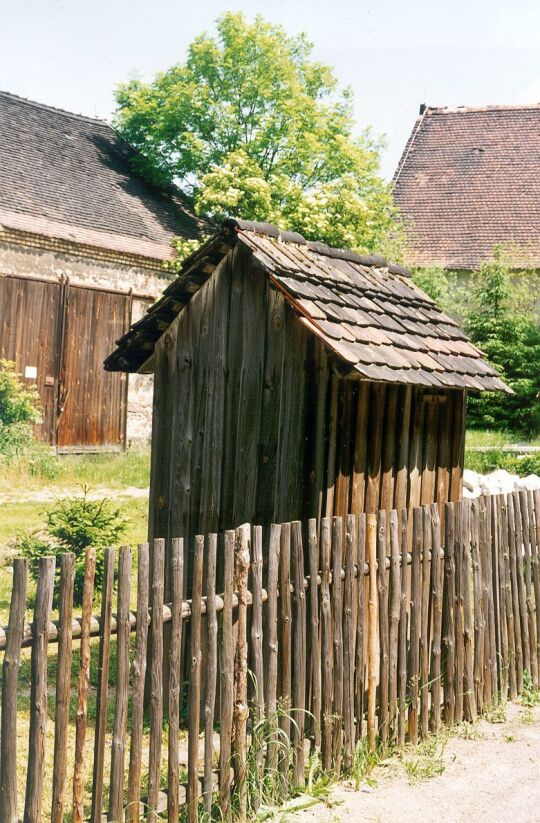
<point>83,686</point>
<point>10,678</point>
<point>371,552</point>
<point>194,693</point>
<point>139,674</point>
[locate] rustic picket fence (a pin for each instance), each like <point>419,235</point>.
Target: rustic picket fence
<point>373,628</point>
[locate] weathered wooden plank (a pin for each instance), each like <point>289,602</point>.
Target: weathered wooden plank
<point>318,373</point>
<point>437,610</point>
<point>478,615</point>
<point>299,650</point>
<point>272,649</point>
<point>327,648</point>
<point>402,466</point>
<point>314,639</point>
<point>285,615</point>
<point>345,455</point>
<point>10,677</point>
<point>102,686</point>
<point>139,675</point>
<point>520,576</point>
<point>425,622</point>
<point>457,451</point>
<point>415,611</point>
<point>496,525</point>
<point>395,598</point>
<point>241,558</point>
<point>429,463</point>
<point>226,702</point>
<point>509,599</point>
<point>337,641</point>
<point>83,686</point>
<point>449,603</point>
<point>389,449</point>
<point>376,428</point>
<point>416,453</point>
<point>194,690</point>
<point>332,444</point>
<point>38,692</point>
<point>63,686</point>
<point>358,485</point>
<point>529,596</point>
<point>534,536</point>
<point>361,622</point>
<point>382,587</point>
<point>156,676</point>
<point>177,588</point>
<point>516,583</point>
<point>348,643</point>
<point>469,700</point>
<point>257,667</point>
<point>118,747</point>
<point>459,613</point>
<point>371,553</point>
<point>402,638</point>
<point>443,454</point>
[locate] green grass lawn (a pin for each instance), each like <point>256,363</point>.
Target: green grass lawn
<point>110,473</point>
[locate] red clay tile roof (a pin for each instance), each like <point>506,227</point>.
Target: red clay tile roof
<point>469,178</point>
<point>368,313</point>
<point>69,177</point>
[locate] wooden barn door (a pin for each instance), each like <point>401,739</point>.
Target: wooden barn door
<point>30,331</point>
<point>92,403</point>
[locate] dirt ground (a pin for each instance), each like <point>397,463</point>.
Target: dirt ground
<point>491,774</point>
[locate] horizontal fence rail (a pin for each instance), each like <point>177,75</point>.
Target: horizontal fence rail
<point>298,639</point>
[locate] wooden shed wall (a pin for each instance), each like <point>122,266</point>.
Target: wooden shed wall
<point>252,424</point>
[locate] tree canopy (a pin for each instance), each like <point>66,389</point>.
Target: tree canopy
<point>252,126</point>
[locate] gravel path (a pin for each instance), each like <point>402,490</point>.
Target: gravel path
<point>492,775</point>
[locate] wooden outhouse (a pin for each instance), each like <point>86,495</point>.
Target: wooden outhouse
<point>294,380</point>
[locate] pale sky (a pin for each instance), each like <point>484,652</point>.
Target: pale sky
<point>395,54</point>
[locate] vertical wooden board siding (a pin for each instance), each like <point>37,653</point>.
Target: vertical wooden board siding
<point>159,508</point>
<point>359,680</point>
<point>382,586</point>
<point>343,457</point>
<point>202,329</point>
<point>358,483</point>
<point>291,448</point>
<point>457,451</point>
<point>10,678</point>
<point>389,449</point>
<point>233,274</point>
<point>331,453</point>
<point>93,411</point>
<point>443,454</point>
<point>317,390</point>
<point>250,393</point>
<point>375,435</point>
<point>402,459</point>
<point>267,474</point>
<point>427,492</point>
<point>29,336</point>
<point>416,452</point>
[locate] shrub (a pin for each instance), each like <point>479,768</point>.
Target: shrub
<point>19,410</point>
<point>489,461</point>
<point>73,524</point>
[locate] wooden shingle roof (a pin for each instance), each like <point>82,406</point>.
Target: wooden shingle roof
<point>378,324</point>
<point>468,179</point>
<point>70,177</point>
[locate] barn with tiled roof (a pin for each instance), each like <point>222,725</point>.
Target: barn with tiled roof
<point>468,179</point>
<point>84,249</point>
<point>295,380</point>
